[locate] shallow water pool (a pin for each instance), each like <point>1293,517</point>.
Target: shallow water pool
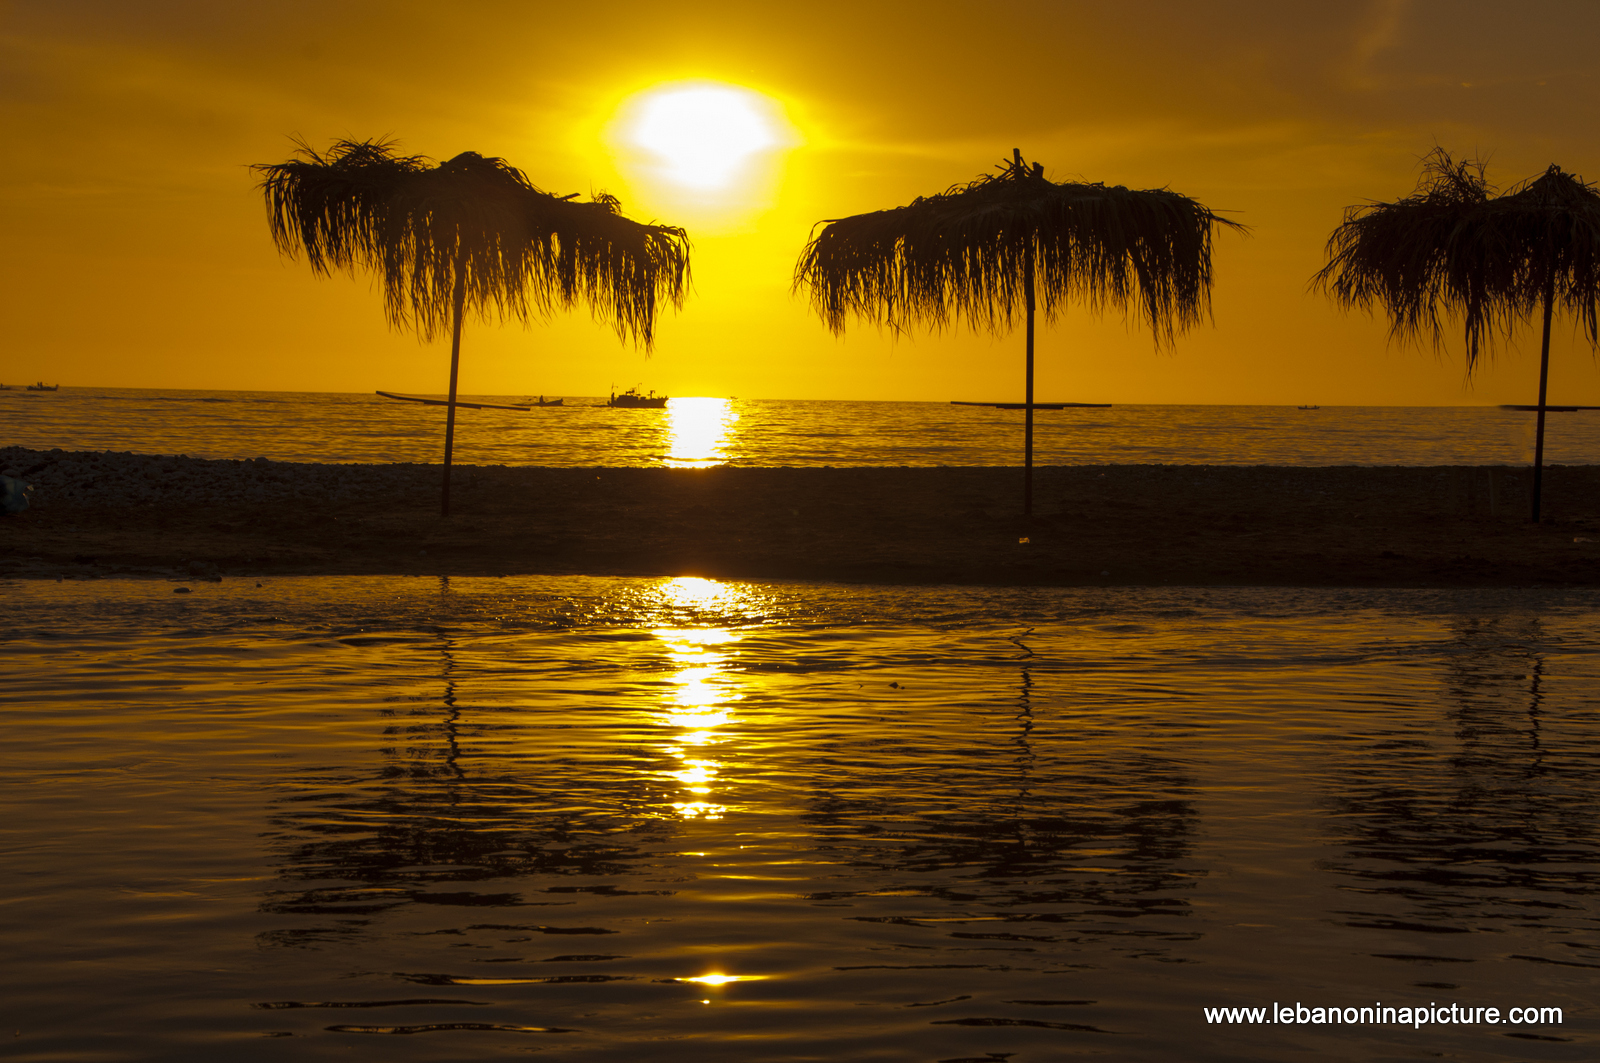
<point>616,819</point>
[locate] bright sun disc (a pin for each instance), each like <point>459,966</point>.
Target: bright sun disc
<point>705,133</point>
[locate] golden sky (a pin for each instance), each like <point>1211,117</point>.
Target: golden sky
<point>138,252</point>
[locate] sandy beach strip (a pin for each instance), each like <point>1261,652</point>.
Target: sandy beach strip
<point>98,514</point>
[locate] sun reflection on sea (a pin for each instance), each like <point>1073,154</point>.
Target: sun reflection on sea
<point>724,979</point>
<point>701,695</point>
<point>699,432</point>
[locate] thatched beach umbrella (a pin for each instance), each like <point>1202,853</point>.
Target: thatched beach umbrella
<point>470,233</point>
<point>986,250</point>
<point>1453,247</point>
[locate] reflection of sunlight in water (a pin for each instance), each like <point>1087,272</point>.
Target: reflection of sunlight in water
<point>702,691</point>
<point>698,809</point>
<point>724,979</point>
<point>699,432</point>
<point>697,775</point>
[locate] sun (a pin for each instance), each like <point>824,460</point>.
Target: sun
<point>704,136</point>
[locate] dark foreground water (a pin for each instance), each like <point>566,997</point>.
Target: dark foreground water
<point>622,820</point>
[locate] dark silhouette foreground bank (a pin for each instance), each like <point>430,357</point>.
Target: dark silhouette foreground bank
<point>1096,525</point>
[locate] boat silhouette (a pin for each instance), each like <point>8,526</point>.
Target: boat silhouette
<point>632,400</point>
<point>446,402</point>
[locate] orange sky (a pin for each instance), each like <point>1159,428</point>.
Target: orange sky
<point>138,253</point>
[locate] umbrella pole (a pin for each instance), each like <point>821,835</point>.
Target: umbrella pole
<point>1544,380</point>
<point>455,364</point>
<point>1027,431</point>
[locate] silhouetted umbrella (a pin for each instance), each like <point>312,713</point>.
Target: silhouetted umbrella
<point>1453,247</point>
<point>470,233</point>
<point>984,250</point>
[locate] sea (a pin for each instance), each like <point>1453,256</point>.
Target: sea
<point>714,821</point>
<point>699,431</point>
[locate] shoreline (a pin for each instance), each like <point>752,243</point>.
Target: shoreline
<point>99,514</point>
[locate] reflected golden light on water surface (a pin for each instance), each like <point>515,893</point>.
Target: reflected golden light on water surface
<point>854,793</point>
<point>699,431</point>
<point>702,689</point>
<point>724,979</point>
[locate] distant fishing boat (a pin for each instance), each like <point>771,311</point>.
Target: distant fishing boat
<point>42,386</point>
<point>446,402</point>
<point>1037,405</point>
<point>632,400</point>
<point>542,401</point>
<point>5,387</point>
<point>1310,407</point>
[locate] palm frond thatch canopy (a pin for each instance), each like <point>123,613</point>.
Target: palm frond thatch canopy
<point>1455,249</point>
<point>520,250</point>
<point>985,251</point>
<point>471,233</point>
<point>965,253</point>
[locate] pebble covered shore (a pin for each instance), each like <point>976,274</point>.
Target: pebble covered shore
<point>100,478</point>
<point>97,514</point>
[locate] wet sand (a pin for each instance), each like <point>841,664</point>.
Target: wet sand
<point>1094,525</point>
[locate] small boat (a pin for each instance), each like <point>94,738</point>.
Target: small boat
<point>542,401</point>
<point>1310,407</point>
<point>42,386</point>
<point>5,387</point>
<point>632,400</point>
<point>446,402</point>
<point>1038,405</point>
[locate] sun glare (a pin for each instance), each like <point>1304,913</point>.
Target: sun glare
<point>704,136</point>
<point>699,430</point>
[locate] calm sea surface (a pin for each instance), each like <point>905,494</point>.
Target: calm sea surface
<point>325,427</point>
<point>689,820</point>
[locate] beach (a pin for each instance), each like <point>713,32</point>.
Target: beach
<point>97,514</point>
